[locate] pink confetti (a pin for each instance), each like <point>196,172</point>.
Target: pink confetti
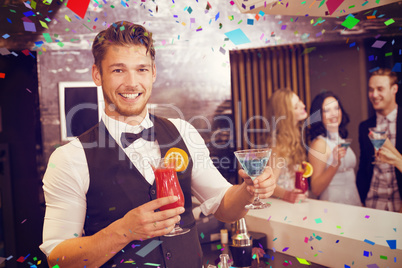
<point>306,239</point>
<point>304,218</point>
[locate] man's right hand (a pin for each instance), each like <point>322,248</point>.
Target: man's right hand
<point>143,222</point>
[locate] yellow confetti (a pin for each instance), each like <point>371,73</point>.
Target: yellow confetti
<point>44,25</point>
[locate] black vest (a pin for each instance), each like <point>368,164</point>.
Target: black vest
<point>116,187</point>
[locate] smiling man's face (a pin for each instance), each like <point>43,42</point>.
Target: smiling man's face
<point>128,73</point>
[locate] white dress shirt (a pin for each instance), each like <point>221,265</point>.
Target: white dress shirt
<point>66,180</point>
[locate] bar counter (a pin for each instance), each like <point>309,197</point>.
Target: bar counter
<point>331,234</point>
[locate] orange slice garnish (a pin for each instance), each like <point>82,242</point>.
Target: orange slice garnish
<point>178,158</point>
<point>308,169</point>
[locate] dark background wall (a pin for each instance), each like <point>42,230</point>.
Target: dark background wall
<point>21,133</point>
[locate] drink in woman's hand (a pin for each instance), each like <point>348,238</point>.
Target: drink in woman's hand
<point>167,184</point>
<point>345,144</point>
<point>300,181</point>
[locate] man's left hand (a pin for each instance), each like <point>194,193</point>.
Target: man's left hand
<point>263,186</point>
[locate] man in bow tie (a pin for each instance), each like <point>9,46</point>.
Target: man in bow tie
<point>101,205</point>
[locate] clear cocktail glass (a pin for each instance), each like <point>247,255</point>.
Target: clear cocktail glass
<point>254,161</point>
<point>377,137</point>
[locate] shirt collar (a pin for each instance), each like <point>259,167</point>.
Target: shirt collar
<point>116,127</point>
<point>391,117</point>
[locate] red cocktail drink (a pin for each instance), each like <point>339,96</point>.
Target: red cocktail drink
<point>167,184</point>
<point>300,181</point>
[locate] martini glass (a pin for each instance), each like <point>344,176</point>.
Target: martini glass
<point>254,161</point>
<point>167,184</point>
<point>377,137</point>
<point>346,143</point>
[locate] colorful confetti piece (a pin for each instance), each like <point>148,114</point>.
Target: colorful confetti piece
<point>237,37</point>
<point>79,7</point>
<point>148,248</point>
<point>391,244</point>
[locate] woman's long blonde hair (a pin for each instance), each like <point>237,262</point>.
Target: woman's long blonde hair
<point>285,137</point>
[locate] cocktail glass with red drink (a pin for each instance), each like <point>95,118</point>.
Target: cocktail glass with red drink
<point>301,181</point>
<point>167,184</point>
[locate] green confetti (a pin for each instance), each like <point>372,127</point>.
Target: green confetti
<point>350,22</point>
<point>51,165</point>
<point>303,2</point>
<point>318,220</point>
<point>60,44</point>
<point>202,235</point>
<point>44,25</point>
<point>322,2</point>
<point>383,257</point>
<point>352,6</point>
<point>219,246</point>
<point>388,54</point>
<point>389,22</point>
<point>47,37</point>
<point>56,266</point>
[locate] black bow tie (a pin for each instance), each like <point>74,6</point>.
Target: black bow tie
<point>128,138</point>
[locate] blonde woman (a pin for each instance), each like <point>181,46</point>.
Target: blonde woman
<point>287,112</point>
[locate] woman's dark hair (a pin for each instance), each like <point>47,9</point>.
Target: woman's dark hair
<point>316,126</point>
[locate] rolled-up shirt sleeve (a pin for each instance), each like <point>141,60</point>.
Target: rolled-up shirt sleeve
<point>207,183</point>
<point>65,195</point>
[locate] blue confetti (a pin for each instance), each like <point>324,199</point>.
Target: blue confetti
<point>369,242</point>
<point>29,13</point>
<point>148,248</point>
<point>391,244</point>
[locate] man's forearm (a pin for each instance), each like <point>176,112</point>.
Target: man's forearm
<point>232,205</point>
<point>89,251</point>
